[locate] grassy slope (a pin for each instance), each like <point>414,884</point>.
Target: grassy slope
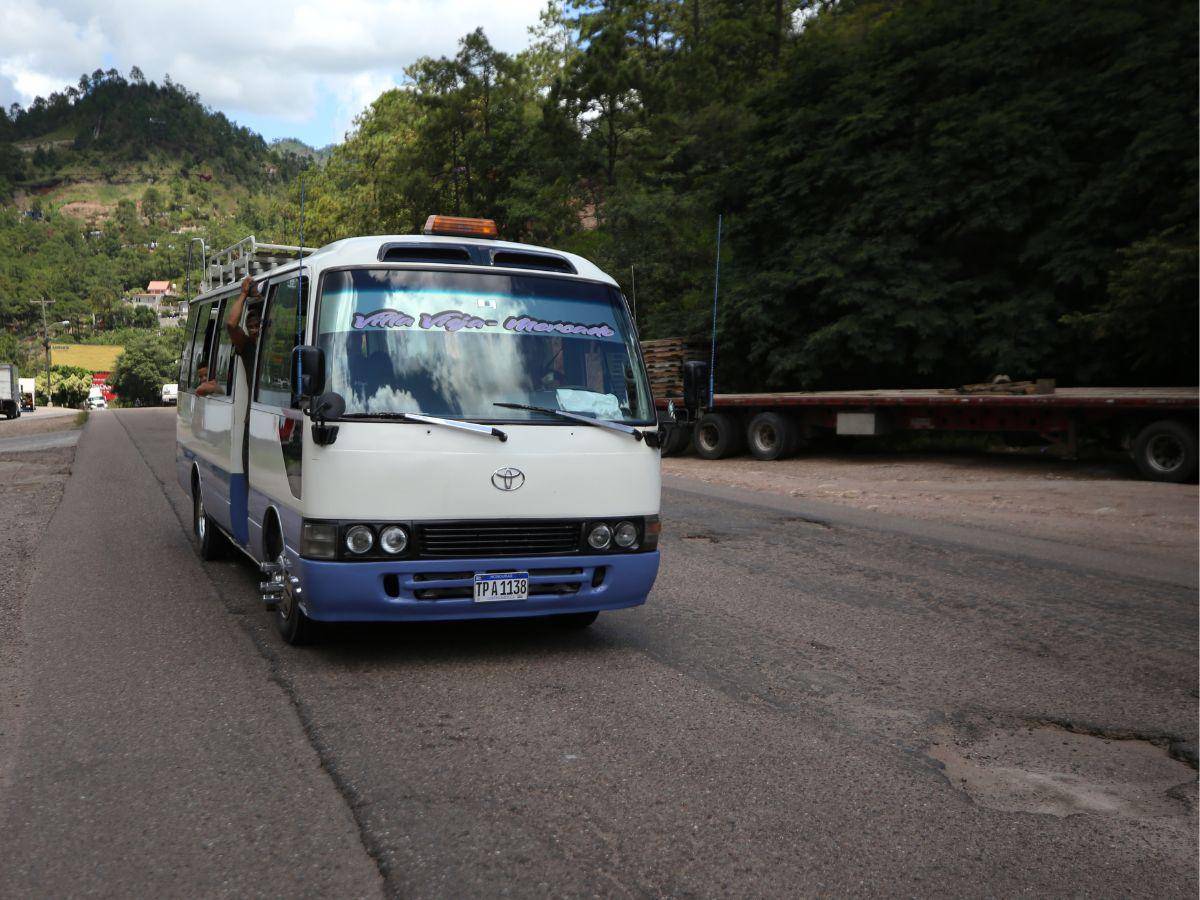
<point>88,185</point>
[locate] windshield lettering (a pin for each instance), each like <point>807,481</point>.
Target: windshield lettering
<point>453,320</point>
<point>529,324</point>
<point>382,318</point>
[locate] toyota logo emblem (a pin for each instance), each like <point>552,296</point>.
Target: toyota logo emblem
<point>507,479</point>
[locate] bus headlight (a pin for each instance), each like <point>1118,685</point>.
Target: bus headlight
<point>359,539</point>
<point>625,535</point>
<point>599,537</point>
<point>393,540</point>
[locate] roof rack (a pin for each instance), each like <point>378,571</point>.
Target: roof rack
<point>248,257</point>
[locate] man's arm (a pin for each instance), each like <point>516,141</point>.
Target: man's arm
<point>237,335</point>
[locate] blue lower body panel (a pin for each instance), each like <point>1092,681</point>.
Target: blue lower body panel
<point>442,589</point>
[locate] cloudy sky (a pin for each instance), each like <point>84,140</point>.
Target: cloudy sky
<point>301,69</point>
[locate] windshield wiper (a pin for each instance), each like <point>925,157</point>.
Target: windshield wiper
<point>575,417</point>
<point>432,420</point>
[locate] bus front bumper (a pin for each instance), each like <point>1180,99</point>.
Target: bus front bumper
<point>443,589</point>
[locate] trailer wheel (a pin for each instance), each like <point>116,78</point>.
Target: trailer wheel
<point>678,436</point>
<point>1166,451</point>
<point>717,436</point>
<point>772,436</point>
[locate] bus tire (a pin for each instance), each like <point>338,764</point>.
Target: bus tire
<point>678,437</point>
<point>771,436</point>
<point>293,625</point>
<point>1166,451</point>
<point>717,436</point>
<point>210,540</point>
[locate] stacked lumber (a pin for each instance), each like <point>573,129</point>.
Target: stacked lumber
<point>664,362</point>
<point>1002,385</point>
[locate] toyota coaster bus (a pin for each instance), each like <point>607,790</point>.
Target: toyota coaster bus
<point>432,427</point>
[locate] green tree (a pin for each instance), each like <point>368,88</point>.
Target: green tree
<point>932,189</point>
<point>152,203</point>
<point>148,362</point>
<point>71,385</point>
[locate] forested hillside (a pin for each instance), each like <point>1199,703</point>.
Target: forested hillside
<point>914,192</point>
<point>108,124</point>
<point>104,185</point>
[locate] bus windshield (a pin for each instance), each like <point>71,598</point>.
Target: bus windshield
<point>453,344</point>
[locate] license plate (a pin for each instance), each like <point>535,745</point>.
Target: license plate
<point>501,586</point>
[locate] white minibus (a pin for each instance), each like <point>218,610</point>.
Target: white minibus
<point>421,427</point>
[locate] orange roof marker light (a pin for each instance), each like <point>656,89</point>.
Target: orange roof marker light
<point>461,227</point>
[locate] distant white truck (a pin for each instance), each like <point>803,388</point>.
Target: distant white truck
<point>170,394</point>
<point>28,394</point>
<point>96,399</point>
<point>10,391</point>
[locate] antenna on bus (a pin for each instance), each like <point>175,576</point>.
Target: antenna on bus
<point>712,360</point>
<point>302,219</point>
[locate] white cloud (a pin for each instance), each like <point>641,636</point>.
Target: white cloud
<point>356,93</point>
<point>269,57</point>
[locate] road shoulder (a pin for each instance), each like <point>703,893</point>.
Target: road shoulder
<point>1106,561</point>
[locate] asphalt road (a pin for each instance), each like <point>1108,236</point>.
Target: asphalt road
<point>813,702</point>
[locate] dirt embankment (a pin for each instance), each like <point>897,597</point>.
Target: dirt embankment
<point>41,422</point>
<point>1080,503</point>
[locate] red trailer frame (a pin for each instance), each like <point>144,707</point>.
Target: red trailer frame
<point>1158,424</point>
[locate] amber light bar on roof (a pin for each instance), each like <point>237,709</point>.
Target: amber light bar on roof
<point>461,227</point>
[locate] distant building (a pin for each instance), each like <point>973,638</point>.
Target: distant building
<point>160,297</point>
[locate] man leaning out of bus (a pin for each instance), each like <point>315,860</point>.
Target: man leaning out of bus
<point>245,339</point>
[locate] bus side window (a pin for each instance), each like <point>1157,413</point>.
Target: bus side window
<point>201,347</point>
<point>189,350</point>
<point>282,330</point>
<point>224,352</point>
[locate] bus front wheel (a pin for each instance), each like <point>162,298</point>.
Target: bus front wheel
<point>292,624</point>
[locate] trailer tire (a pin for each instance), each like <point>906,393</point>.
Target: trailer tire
<point>1166,451</point>
<point>678,437</point>
<point>717,436</point>
<point>772,436</point>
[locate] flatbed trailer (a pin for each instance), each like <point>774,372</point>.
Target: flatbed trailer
<point>1157,425</point>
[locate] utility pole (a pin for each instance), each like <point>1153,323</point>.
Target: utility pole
<point>46,344</point>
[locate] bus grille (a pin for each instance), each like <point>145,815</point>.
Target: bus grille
<point>469,540</point>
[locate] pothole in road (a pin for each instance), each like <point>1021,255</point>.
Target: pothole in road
<point>802,520</point>
<point>1050,770</point>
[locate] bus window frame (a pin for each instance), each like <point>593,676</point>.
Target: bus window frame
<point>190,381</point>
<point>303,278</point>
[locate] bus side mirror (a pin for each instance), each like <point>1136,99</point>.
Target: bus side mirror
<point>695,385</point>
<point>308,371</point>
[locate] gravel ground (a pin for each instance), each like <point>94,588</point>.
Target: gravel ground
<point>31,486</point>
<point>1088,504</point>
